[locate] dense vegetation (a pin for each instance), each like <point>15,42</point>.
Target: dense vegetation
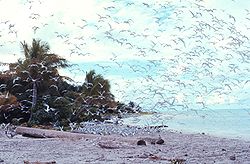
<point>33,92</point>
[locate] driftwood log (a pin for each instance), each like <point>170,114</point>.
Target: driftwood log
<point>111,141</point>
<point>107,142</point>
<point>45,133</point>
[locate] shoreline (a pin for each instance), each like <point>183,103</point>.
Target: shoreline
<point>191,148</point>
<point>228,123</point>
<point>215,135</point>
<point>162,128</point>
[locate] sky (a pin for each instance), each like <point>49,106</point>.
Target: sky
<point>163,54</point>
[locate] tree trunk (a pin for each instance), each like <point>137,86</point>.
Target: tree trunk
<point>34,95</point>
<point>34,100</point>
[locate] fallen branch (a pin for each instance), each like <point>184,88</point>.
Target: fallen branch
<point>108,146</point>
<point>155,157</point>
<point>28,162</point>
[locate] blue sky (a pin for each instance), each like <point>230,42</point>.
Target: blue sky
<point>163,54</point>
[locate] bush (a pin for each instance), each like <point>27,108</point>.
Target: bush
<point>11,111</point>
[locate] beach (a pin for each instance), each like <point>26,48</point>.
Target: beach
<point>94,148</point>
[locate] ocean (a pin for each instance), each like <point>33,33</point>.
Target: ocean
<point>229,123</point>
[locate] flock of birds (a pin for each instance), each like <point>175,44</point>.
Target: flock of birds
<point>117,129</point>
<point>164,55</point>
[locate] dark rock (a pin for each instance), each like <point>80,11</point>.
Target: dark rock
<point>160,141</point>
<point>223,149</point>
<point>1,160</point>
<point>232,157</point>
<point>141,142</point>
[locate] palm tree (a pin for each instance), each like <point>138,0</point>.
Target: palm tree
<point>38,53</point>
<point>38,68</point>
<point>96,89</point>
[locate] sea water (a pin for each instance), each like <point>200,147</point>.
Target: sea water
<point>229,123</point>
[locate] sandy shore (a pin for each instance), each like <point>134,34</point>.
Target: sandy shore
<point>189,148</point>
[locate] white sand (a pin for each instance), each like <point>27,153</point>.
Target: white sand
<point>193,148</point>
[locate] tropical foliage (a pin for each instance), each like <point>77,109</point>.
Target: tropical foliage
<point>11,110</point>
<point>96,90</point>
<point>34,92</point>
